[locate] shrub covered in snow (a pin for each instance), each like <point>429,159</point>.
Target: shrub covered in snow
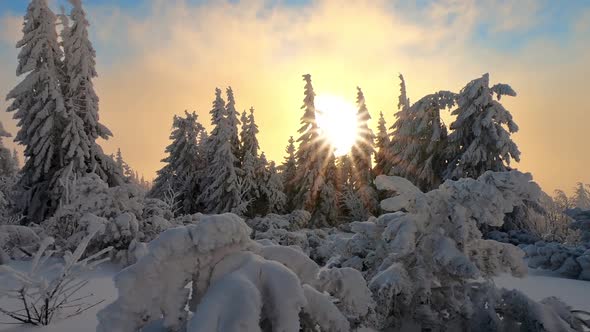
<point>568,261</point>
<point>427,266</point>
<point>515,237</point>
<point>295,220</point>
<point>421,260</point>
<point>119,215</point>
<point>237,285</point>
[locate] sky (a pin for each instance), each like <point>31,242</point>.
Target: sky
<point>156,58</point>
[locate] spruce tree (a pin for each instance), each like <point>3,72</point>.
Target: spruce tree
<point>581,197</point>
<point>327,210</point>
<point>217,116</point>
<point>400,130</point>
<point>81,99</point>
<point>182,172</point>
<point>277,199</point>
<point>251,177</point>
<point>349,201</point>
<point>248,134</point>
<point>233,123</point>
<point>260,206</point>
<point>382,156</point>
<point>119,159</point>
<point>419,139</point>
<point>361,155</point>
<point>480,139</point>
<point>39,109</point>
<point>249,182</point>
<point>288,172</point>
<point>222,191</point>
<point>309,178</point>
<point>243,133</point>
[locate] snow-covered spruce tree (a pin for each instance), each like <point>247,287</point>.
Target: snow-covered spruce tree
<point>237,285</point>
<point>249,182</point>
<point>222,190</point>
<point>262,175</point>
<point>581,198</point>
<point>249,141</point>
<point>243,132</point>
<point>382,145</point>
<point>273,190</point>
<point>428,265</point>
<point>419,139</point>
<point>350,204</point>
<point>233,122</point>
<point>79,66</point>
<point>288,173</point>
<point>327,211</point>
<point>39,108</point>
<point>121,168</point>
<point>309,177</point>
<point>400,130</point>
<point>361,155</point>
<point>185,164</point>
<point>253,174</point>
<point>480,138</point>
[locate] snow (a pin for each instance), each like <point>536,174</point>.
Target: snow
<point>537,285</point>
<point>100,285</point>
<point>321,308</point>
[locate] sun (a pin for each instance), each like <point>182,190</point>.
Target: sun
<point>337,120</point>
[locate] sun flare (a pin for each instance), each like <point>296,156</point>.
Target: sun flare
<point>336,118</point>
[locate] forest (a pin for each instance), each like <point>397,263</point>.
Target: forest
<point>404,232</point>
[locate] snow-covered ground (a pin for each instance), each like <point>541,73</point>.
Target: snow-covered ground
<point>537,285</point>
<point>100,285</point>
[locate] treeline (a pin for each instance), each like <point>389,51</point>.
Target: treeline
<point>225,171</point>
<point>56,109</point>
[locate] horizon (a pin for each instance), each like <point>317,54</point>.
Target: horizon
<point>168,49</point>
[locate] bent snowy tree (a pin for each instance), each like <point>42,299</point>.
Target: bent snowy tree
<point>237,285</point>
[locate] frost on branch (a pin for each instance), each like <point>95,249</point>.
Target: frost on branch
<point>269,287</point>
<point>17,240</point>
<point>424,259</point>
<point>120,214</point>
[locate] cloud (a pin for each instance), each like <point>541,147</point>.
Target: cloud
<point>159,64</point>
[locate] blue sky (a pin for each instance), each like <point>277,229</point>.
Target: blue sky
<point>552,19</point>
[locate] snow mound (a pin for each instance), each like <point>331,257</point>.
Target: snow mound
<point>272,285</point>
